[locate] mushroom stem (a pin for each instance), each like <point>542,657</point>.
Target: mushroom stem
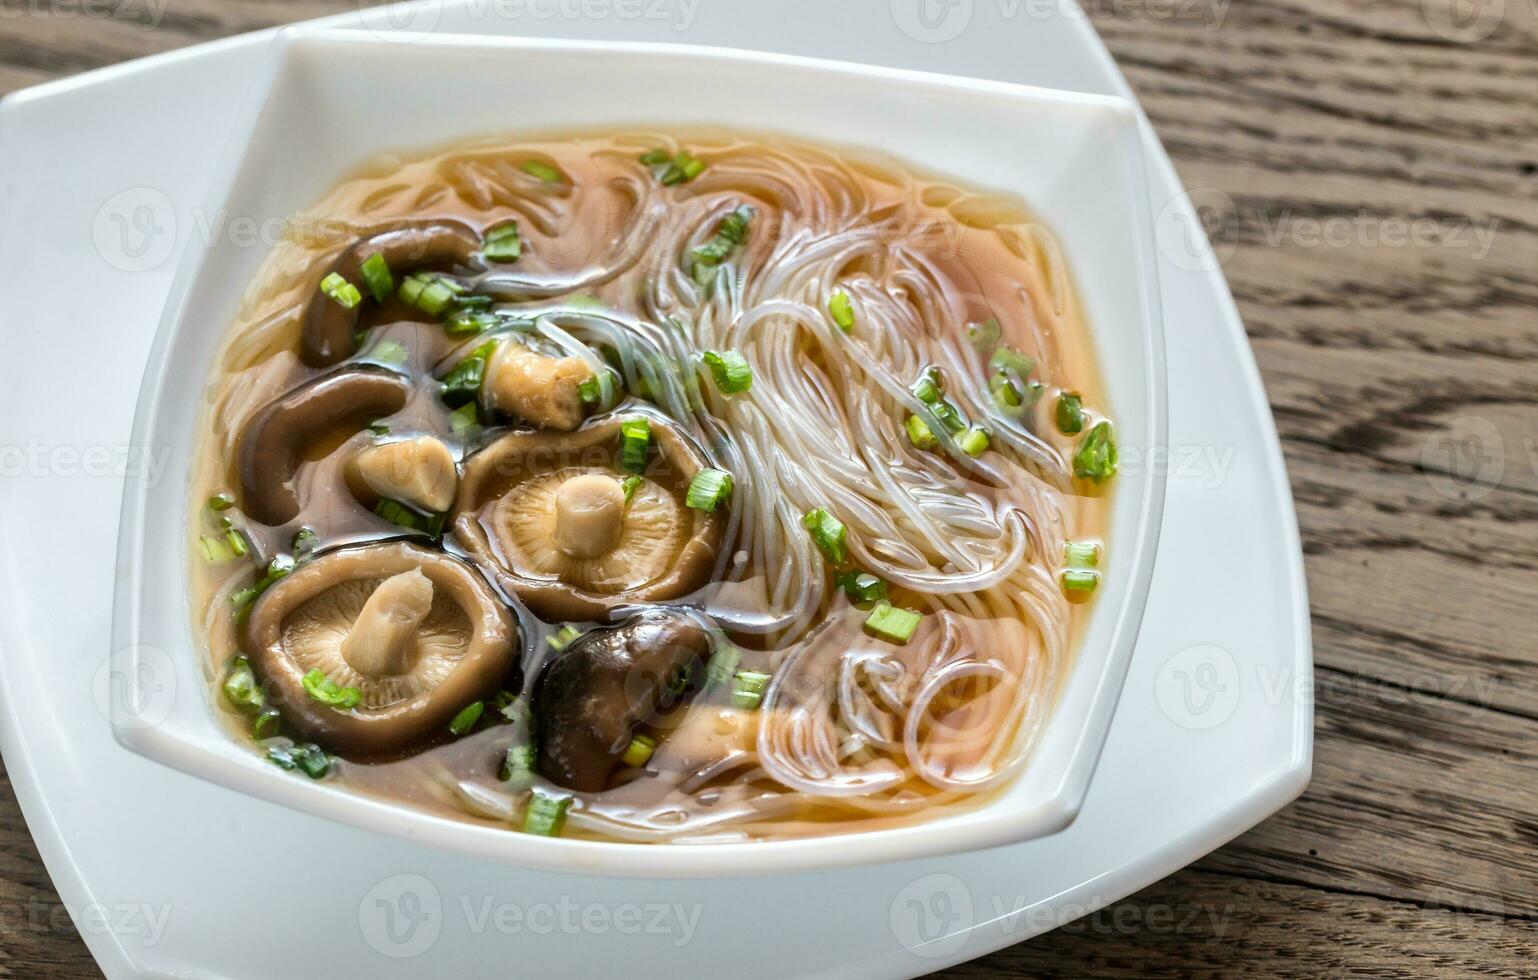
<point>589,515</point>
<point>382,641</point>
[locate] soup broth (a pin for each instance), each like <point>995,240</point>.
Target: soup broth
<point>751,489</point>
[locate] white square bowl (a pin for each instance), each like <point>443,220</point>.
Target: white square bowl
<point>336,98</point>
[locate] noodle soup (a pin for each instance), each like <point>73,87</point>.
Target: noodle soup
<point>653,489</point>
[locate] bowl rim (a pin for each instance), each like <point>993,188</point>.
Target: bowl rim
<point>909,841</point>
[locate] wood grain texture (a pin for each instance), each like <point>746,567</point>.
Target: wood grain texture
<point>1368,170</point>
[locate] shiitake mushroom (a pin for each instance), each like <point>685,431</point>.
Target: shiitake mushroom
<point>589,699</point>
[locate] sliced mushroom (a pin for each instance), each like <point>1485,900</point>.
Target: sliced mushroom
<point>546,515</point>
<point>418,471</point>
<point>320,412</point>
<point>327,337</point>
<point>418,633</point>
<point>590,698</point>
<point>535,388</point>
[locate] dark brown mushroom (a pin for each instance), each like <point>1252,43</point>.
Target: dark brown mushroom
<point>545,514</point>
<point>418,633</point>
<point>590,698</point>
<point>329,327</point>
<point>319,412</point>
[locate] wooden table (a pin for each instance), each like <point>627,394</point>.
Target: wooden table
<point>1372,167</point>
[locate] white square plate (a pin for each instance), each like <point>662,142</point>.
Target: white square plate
<point>338,98</point>
<point>156,865</point>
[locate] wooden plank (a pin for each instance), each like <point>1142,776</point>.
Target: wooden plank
<point>1201,925</point>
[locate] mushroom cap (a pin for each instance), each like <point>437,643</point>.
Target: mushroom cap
<point>324,409</point>
<point>327,334</point>
<point>590,698</point>
<point>465,645</point>
<point>511,520</point>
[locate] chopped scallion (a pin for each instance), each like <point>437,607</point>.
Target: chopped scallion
<point>828,533</point>
<point>639,751</point>
<point>920,434</point>
<point>929,387</point>
<point>563,637</point>
<point>463,383</point>
<point>974,441</point>
<point>464,420</point>
<point>730,370</point>
<point>221,501</point>
<point>1080,580</point>
<point>1070,413</point>
<point>722,666</point>
<point>215,550</point>
<point>304,542</point>
<point>237,540</point>
<point>709,489</point>
<point>635,436</point>
<point>949,415</point>
<point>546,814</point>
<point>467,717</point>
<point>655,158</point>
<point>892,623</point>
<point>241,688</point>
<point>861,587</point>
<point>541,170</point>
<point>1009,359</point>
<point>1081,554</point>
<point>280,566</point>
<point>984,336</point>
<point>628,485</point>
<point>730,234</point>
<point>328,692</point>
<point>306,757</point>
<point>682,168</point>
<point>518,766</point>
<point>389,352</point>
<point>377,277</point>
<point>748,688</point>
<point>265,723</point>
<point>1095,459</point>
<point>841,310</point>
<point>467,323</point>
<point>339,289</point>
<point>501,243</point>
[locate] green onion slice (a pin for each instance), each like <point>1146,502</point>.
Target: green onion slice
<point>748,688</point>
<point>1009,359</point>
<point>1095,459</point>
<point>828,533</point>
<point>730,370</point>
<point>518,766</point>
<point>501,242</point>
<point>628,485</point>
<point>561,638</point>
<point>340,290</point>
<point>306,757</point>
<point>464,420</point>
<point>1080,580</point>
<point>377,277</point>
<point>639,751</point>
<point>635,436</point>
<point>841,310</point>
<point>1081,554</point>
<point>974,441</point>
<point>328,692</point>
<point>655,158</point>
<point>722,666</point>
<point>984,336</point>
<point>241,688</point>
<point>730,234</point>
<point>1070,413</point>
<point>709,489</point>
<point>221,501</point>
<point>929,386</point>
<point>920,434</point>
<point>543,171</point>
<point>546,814</point>
<point>861,587</point>
<point>463,383</point>
<point>467,717</point>
<point>892,623</point>
<point>265,723</point>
